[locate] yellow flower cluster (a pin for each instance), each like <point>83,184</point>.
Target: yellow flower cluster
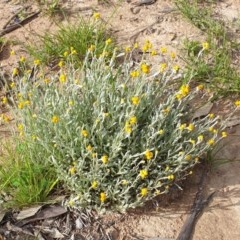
<point>163,66</point>
<point>129,123</point>
<point>147,45</point>
<point>5,117</point>
<point>183,92</point>
<point>4,100</point>
<point>84,132</point>
<point>62,78</point>
<point>143,173</point>
<point>55,119</point>
<point>205,45</point>
<point>135,73</point>
<point>237,103</point>
<point>20,128</point>
<point>148,154</point>
<point>145,68</point>
<point>96,15</point>
<point>94,184</point>
<point>135,100</point>
<point>104,159</point>
<point>144,191</point>
<point>23,103</point>
<point>103,197</point>
<point>163,49</point>
<point>36,62</point>
<point>15,71</point>
<point>108,41</point>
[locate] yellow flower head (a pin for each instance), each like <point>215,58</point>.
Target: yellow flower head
<point>172,55</point>
<point>211,141</point>
<point>128,128</point>
<point>166,110</point>
<point>62,78</point>
<point>22,59</point>
<point>5,117</point>
<point>96,15</point>
<point>190,127</point>
<point>192,141</point>
<point>135,73</point>
<point>94,184</point>
<point>161,131</point>
<point>70,102</point>
<point>188,157</point>
<point>34,137</point>
<point>12,84</point>
<point>200,138</point>
<point>170,177</point>
<point>36,62</point>
<point>15,71</point>
<point>124,182</point>
<point>147,45</point>
<point>132,120</point>
<point>205,45</point>
<point>127,49</point>
<point>145,68</point>
<point>135,100</point>
<point>211,115</point>
<point>20,127</point>
<point>91,48</point>
<point>224,134</point>
<point>61,63</point>
<point>84,133</point>
<point>89,147</point>
<point>148,154</point>
<point>72,170</point>
<point>21,104</point>
<point>237,103</point>
<point>135,45</point>
<point>211,129</point>
<point>163,66</point>
<point>55,119</point>
<point>184,89</point>
<point>182,126</point>
<point>104,159</point>
<point>200,87</point>
<point>143,173</point>
<point>176,67</point>
<point>12,52</point>
<point>108,41</point>
<point>4,100</point>
<point>144,191</point>
<point>153,53</point>
<point>73,51</point>
<point>103,197</point>
<point>163,49</point>
<point>65,54</point>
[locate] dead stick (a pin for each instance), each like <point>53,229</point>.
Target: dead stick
<point>14,15</point>
<point>20,24</point>
<point>197,209</point>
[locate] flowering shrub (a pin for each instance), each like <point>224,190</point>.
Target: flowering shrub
<point>117,135</point>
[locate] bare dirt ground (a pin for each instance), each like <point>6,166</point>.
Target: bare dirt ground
<point>163,25</point>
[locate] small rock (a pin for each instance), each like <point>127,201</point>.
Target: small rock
<point>79,223</point>
<point>135,10</point>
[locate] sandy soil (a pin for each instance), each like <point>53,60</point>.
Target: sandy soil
<point>162,24</point>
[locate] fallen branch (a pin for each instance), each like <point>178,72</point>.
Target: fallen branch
<point>20,24</point>
<point>197,210</point>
